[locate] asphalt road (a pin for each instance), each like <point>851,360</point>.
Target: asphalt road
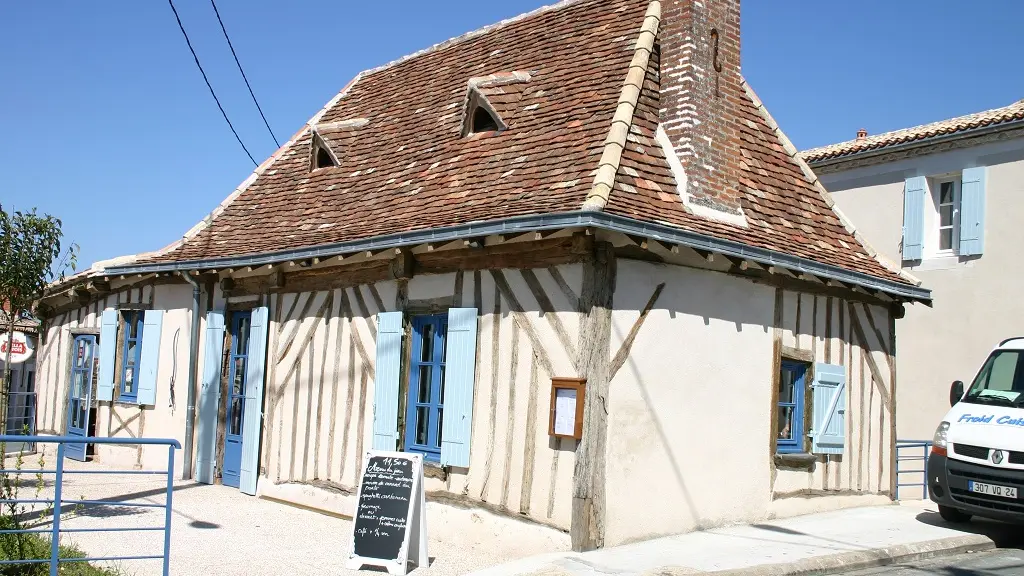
<point>1004,562</point>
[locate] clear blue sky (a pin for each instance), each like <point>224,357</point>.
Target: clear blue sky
<point>105,121</point>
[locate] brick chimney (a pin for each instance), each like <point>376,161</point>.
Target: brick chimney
<point>862,133</point>
<point>701,92</point>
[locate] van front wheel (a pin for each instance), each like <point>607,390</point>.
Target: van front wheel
<point>953,515</point>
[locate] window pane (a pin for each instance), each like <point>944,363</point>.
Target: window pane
<point>237,387</point>
<point>786,381</point>
<point>946,193</point>
<point>440,397</point>
<point>946,215</point>
<point>946,239</point>
<point>133,325</point>
<point>427,343</point>
<point>78,385</point>
<point>422,425</point>
<point>423,394</point>
<point>440,423</point>
<point>1004,367</point>
<point>785,426</point>
<point>80,358</point>
<point>236,416</point>
<point>444,343</point>
<point>243,335</point>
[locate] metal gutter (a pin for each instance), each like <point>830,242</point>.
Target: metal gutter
<point>929,141</point>
<point>521,224</point>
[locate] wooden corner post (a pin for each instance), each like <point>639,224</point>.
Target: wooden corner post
<point>588,502</point>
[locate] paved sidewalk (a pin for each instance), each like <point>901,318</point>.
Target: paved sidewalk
<point>814,544</point>
<point>220,531</point>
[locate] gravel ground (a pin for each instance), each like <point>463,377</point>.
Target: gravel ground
<point>219,530</point>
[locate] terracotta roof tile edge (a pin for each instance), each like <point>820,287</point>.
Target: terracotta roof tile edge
<point>948,127</point>
<point>473,34</point>
<point>615,143</point>
<point>813,179</point>
<point>208,219</point>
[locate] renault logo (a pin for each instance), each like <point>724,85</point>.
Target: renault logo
<point>997,456</point>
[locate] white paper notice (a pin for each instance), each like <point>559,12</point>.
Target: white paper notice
<point>565,411</point>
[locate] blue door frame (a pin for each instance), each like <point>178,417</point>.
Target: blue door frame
<point>425,413</point>
<point>80,394</point>
<point>237,375</point>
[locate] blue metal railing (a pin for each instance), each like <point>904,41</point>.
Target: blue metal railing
<point>58,499</point>
<point>909,452</point>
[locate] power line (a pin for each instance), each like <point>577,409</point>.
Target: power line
<point>225,31</point>
<point>208,85</point>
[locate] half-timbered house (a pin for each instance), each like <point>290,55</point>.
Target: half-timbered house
<point>585,203</point>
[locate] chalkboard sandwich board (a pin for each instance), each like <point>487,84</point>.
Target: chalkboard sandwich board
<point>390,526</point>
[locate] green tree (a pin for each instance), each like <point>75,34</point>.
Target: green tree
<point>31,256</point>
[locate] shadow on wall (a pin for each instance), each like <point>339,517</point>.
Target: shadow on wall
<point>708,295</point>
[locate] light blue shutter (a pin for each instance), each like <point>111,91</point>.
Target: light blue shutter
<point>829,432</point>
<point>252,419</point>
<point>913,217</point>
<point>108,346</point>
<point>152,327</point>
<point>385,385</point>
<point>459,372</point>
<point>209,396</point>
<point>972,211</point>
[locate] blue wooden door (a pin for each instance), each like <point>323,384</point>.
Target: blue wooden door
<point>425,413</point>
<point>237,381</point>
<point>80,394</point>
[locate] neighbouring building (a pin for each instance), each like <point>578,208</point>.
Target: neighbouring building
<point>21,390</point>
<point>587,194</point>
<point>944,199</point>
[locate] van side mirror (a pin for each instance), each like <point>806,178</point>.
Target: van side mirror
<point>956,392</point>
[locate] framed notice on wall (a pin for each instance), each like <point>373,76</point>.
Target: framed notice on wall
<point>567,407</point>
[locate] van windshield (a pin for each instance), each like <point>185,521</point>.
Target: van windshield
<point>1000,381</point>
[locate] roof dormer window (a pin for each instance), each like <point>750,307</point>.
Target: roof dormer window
<point>323,159</point>
<point>321,155</point>
<point>492,101</point>
<point>482,121</point>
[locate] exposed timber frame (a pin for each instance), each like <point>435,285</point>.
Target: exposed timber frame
<point>588,503</point>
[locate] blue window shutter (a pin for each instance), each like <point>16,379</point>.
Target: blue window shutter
<point>913,217</point>
<point>209,396</point>
<point>385,385</point>
<point>148,364</point>
<point>252,419</point>
<point>972,211</point>
<point>460,369</point>
<point>108,346</point>
<point>829,433</point>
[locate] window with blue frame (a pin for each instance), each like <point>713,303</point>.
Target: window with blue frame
<point>425,412</point>
<point>790,425</point>
<point>131,354</point>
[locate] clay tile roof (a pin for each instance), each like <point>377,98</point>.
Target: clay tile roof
<point>992,117</point>
<point>554,76</point>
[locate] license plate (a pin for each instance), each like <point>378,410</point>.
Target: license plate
<point>992,489</point>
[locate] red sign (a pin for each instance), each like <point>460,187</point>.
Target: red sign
<point>18,347</point>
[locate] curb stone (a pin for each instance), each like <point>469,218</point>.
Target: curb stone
<point>851,561</point>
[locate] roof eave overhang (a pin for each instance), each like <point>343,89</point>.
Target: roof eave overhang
<point>922,143</point>
<point>522,224</point>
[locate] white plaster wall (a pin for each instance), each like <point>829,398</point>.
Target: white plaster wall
<point>688,423</point>
<point>690,410</point>
<point>976,304</point>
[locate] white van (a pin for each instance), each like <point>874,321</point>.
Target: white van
<point>976,467</point>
